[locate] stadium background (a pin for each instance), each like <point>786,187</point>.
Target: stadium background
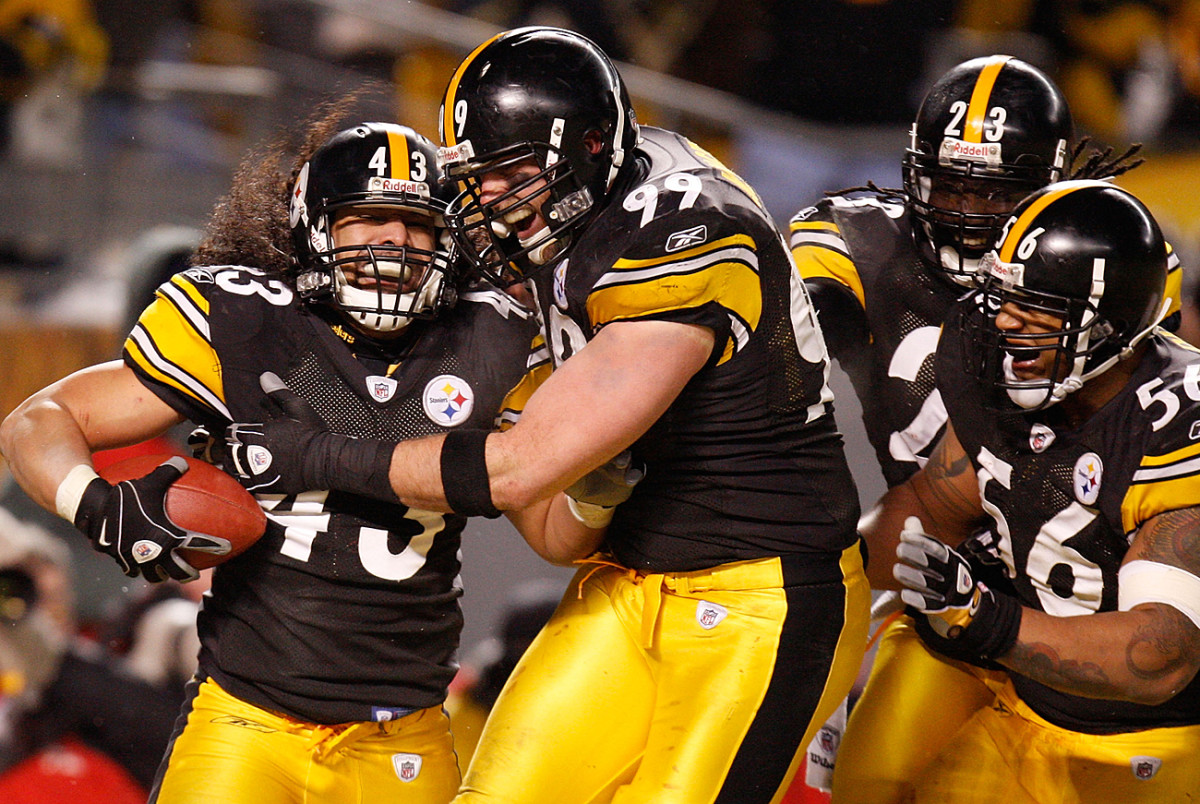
<point>126,120</point>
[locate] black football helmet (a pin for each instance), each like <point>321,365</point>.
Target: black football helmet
<point>372,165</point>
<point>1086,252</point>
<point>989,132</point>
<point>541,94</point>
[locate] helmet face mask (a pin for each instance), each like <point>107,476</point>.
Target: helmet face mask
<point>989,132</point>
<point>1062,351</point>
<point>380,171</point>
<point>537,125</point>
<point>1079,274</point>
<point>540,182</point>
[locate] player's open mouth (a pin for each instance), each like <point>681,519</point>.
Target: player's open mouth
<point>1024,364</point>
<point>521,221</point>
<point>388,276</point>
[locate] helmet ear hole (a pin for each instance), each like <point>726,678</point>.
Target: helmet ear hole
<point>593,141</point>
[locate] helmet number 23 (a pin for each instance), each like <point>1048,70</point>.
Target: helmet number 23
<point>993,127</point>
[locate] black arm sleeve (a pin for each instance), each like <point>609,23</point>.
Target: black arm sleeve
<point>843,320</point>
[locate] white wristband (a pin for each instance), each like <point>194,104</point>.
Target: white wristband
<point>1144,581</point>
<point>590,514</point>
<point>70,491</point>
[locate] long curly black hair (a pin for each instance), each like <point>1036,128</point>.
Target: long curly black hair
<point>249,225</point>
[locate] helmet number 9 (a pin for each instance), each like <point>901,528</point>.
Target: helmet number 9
<point>645,197</point>
<point>460,116</point>
<point>993,130</point>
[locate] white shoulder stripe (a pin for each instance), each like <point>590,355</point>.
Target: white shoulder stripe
<point>741,335</point>
<point>193,386</point>
<point>826,239</point>
<point>184,304</point>
<point>1182,469</point>
<point>630,276</point>
<point>503,304</point>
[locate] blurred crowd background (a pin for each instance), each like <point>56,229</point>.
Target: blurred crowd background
<point>121,122</point>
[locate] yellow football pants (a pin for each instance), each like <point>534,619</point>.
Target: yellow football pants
<point>235,753</point>
<point>685,687</point>
<point>912,706</point>
<point>1006,754</point>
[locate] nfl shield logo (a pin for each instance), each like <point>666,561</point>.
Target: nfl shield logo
<point>381,388</point>
<point>144,550</point>
<point>1040,437</point>
<point>828,739</point>
<point>408,766</point>
<point>1145,767</point>
<point>709,615</point>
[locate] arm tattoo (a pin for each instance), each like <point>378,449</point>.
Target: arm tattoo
<point>1161,646</point>
<point>1171,538</point>
<point>1042,663</point>
<point>943,475</point>
<point>1170,640</point>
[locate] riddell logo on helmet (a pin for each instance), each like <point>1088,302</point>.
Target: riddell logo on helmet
<point>957,150</point>
<point>454,154</point>
<point>379,184</point>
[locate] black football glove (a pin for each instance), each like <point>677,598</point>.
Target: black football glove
<point>595,496</point>
<point>206,447</point>
<point>129,522</point>
<point>294,451</point>
<point>959,609</point>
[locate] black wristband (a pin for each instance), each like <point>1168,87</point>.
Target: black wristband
<point>995,628</point>
<point>357,465</point>
<point>464,459</point>
<point>90,510</point>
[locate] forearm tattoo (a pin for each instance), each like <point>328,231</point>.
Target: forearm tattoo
<point>1042,663</point>
<point>941,491</point>
<point>1163,644</point>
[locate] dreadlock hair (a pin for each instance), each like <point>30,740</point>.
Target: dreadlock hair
<point>1101,164</point>
<point>869,187</point>
<point>249,225</point>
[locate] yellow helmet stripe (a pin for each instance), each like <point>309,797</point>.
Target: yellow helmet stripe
<point>398,156</point>
<point>449,136</point>
<point>978,108</point>
<point>1022,224</point>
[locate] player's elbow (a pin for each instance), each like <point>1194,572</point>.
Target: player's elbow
<point>1160,690</point>
<point>9,429</point>
<point>517,493</point>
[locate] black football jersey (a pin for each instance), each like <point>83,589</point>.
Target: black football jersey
<point>747,462</point>
<point>865,245</point>
<point>1065,503</point>
<point>347,609</point>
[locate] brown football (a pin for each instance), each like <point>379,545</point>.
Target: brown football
<point>205,500</point>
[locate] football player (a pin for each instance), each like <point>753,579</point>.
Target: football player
<point>1071,436</point>
<point>695,656</point>
<point>328,646</point>
<point>883,268</point>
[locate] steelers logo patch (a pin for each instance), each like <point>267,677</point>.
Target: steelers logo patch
<point>1089,471</point>
<point>448,400</point>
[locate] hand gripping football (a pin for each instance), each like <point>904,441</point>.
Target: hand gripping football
<point>205,500</point>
